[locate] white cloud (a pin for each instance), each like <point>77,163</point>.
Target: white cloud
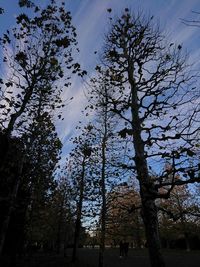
<point>91,20</point>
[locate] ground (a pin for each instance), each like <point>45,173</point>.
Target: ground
<point>89,258</point>
<point>139,258</point>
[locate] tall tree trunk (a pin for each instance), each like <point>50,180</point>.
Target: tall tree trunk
<point>12,198</point>
<point>138,233</point>
<point>102,238</point>
<point>150,219</point>
<point>58,240</point>
<point>103,209</point>
<point>21,110</point>
<point>79,214</point>
<point>14,192</point>
<point>149,209</point>
<point>60,226</point>
<point>76,238</point>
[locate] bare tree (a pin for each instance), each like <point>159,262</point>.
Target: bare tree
<point>78,164</point>
<point>156,99</point>
<point>104,129</point>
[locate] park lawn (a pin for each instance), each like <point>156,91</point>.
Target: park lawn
<point>138,258</point>
<point>89,258</point>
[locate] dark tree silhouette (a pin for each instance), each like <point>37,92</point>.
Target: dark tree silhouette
<point>156,99</point>
<point>36,52</point>
<point>34,186</point>
<point>107,149</point>
<point>78,163</point>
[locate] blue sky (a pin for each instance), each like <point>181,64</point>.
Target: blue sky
<point>91,20</point>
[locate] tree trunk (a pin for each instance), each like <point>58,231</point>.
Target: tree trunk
<point>58,241</point>
<point>138,233</point>
<point>79,213</point>
<point>102,238</point>
<point>187,242</point>
<point>59,227</point>
<point>11,207</point>
<point>21,110</point>
<point>13,194</point>
<point>76,238</point>
<point>103,209</point>
<point>149,209</point>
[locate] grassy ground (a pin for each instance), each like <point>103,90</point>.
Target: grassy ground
<point>89,258</point>
<point>139,258</point>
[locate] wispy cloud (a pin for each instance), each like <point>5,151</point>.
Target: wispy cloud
<point>91,21</point>
<point>72,114</point>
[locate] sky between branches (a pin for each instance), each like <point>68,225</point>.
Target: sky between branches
<point>91,19</point>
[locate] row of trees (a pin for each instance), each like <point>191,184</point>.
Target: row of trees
<point>145,84</point>
<point>37,65</point>
<point>144,108</point>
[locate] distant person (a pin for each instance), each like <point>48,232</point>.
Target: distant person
<point>126,246</point>
<point>121,249</point>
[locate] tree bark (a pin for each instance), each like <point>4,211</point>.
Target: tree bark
<point>103,210</point>
<point>138,233</point>
<point>12,197</point>
<point>76,238</point>
<point>18,113</point>
<point>79,214</point>
<point>150,219</point>
<point>149,209</point>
